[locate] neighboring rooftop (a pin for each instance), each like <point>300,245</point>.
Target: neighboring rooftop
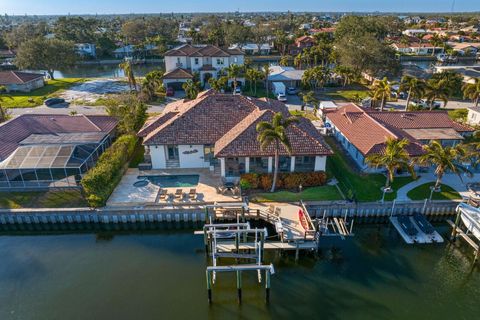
<point>17,77</point>
<point>202,51</point>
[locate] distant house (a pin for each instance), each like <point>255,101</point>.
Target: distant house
<point>252,48</point>
<point>362,133</point>
<point>290,76</point>
<point>465,48</point>
<point>218,132</point>
<point>47,150</point>
<point>327,31</point>
<point>86,50</point>
<point>21,81</point>
<point>417,48</point>
<point>414,32</point>
<point>131,51</point>
<point>208,60</point>
<point>473,117</point>
<point>302,43</point>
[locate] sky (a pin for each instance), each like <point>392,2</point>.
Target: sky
<point>42,7</point>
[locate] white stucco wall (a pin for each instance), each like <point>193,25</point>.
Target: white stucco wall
<point>473,117</point>
<point>158,156</point>
<point>191,159</point>
<point>171,63</point>
<point>320,163</point>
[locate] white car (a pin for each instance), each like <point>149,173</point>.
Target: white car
<point>281,97</point>
<point>238,90</point>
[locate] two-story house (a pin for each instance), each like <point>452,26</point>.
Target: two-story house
<point>207,60</point>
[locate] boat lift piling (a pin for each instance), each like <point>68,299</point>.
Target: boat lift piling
<point>467,235</point>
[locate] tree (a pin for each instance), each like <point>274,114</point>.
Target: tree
<point>443,158</point>
<point>453,81</point>
<point>253,75</point>
<point>414,87</point>
<point>266,74</point>
<point>436,89</point>
<point>435,41</point>
<point>46,54</point>
<point>347,74</point>
<point>126,66</point>
<point>23,33</point>
<point>129,110</point>
<point>274,133</point>
<point>381,90</point>
<point>393,158</point>
<point>234,71</point>
<point>218,84</point>
<point>152,85</point>
<point>472,91</point>
<point>192,88</point>
<point>284,61</point>
<point>4,114</point>
<point>308,98</point>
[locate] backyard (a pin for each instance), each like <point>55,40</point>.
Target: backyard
<point>423,192</point>
<point>42,199</point>
<point>35,98</point>
<point>322,193</point>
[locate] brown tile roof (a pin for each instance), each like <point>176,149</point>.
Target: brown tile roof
<point>17,77</point>
<point>20,128</point>
<point>228,121</point>
<point>207,67</point>
<point>178,74</point>
<point>202,51</point>
<point>368,130</point>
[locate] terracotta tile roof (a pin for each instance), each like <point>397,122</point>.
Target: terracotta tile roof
<point>368,130</point>
<point>20,128</point>
<point>228,122</point>
<point>17,77</point>
<point>202,51</point>
<point>207,67</point>
<point>178,74</point>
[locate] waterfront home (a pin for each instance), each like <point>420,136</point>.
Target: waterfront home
<point>131,51</point>
<point>218,131</point>
<point>473,117</point>
<point>21,81</point>
<point>206,60</point>
<point>363,132</point>
<point>465,48</point>
<point>290,76</point>
<point>253,48</point>
<point>417,48</point>
<point>43,151</point>
<point>86,50</point>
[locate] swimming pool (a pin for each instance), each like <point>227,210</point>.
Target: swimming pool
<point>173,181</point>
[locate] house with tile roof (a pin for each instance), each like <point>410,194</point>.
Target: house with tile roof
<point>207,60</point>
<point>362,132</point>
<point>44,151</point>
<point>218,131</point>
<point>473,116</point>
<point>21,81</point>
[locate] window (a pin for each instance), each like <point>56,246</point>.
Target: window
<point>220,61</point>
<point>235,59</point>
<point>196,61</point>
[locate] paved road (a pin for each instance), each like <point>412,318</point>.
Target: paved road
<point>400,104</point>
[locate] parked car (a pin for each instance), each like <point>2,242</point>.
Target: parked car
<point>53,101</point>
<point>238,90</point>
<point>170,92</point>
<point>424,104</point>
<point>281,97</point>
<point>292,90</point>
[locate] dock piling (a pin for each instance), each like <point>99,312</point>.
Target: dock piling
<point>267,286</point>
<point>239,286</point>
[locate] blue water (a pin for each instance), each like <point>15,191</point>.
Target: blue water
<point>174,181</point>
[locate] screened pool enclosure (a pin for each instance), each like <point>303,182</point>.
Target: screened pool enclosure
<point>46,161</point>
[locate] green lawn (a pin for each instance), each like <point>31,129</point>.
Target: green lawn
<point>261,92</point>
<point>362,187</point>
<point>423,192</point>
<point>36,97</point>
<point>305,114</point>
<point>42,199</point>
<point>344,94</point>
<point>323,193</point>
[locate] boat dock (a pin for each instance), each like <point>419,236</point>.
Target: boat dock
<point>467,227</point>
<point>415,229</point>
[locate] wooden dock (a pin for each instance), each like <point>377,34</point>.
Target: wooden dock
<point>229,246</point>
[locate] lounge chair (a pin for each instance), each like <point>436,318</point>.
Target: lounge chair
<point>162,194</point>
<point>192,194</point>
<point>179,194</point>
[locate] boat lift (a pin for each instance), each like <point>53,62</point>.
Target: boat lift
<point>468,217</point>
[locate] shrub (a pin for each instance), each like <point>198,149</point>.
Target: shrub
<point>100,181</point>
<point>250,179</point>
<point>287,180</point>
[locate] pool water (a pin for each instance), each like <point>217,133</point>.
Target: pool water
<point>161,275</point>
<point>173,181</point>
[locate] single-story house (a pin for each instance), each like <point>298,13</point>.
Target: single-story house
<point>465,48</point>
<point>417,48</point>
<point>290,76</point>
<point>252,48</point>
<point>362,132</point>
<point>46,150</point>
<point>21,81</point>
<point>218,131</point>
<point>473,116</point>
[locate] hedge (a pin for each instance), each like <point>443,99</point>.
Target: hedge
<point>290,180</point>
<point>100,181</point>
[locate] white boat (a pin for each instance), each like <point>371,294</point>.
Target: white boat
<point>471,218</point>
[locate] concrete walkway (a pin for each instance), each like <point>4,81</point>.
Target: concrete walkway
<point>449,179</point>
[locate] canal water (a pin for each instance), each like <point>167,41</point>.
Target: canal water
<point>161,275</point>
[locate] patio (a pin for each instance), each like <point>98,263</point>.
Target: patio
<point>126,194</point>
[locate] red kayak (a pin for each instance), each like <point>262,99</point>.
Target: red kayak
<point>303,220</point>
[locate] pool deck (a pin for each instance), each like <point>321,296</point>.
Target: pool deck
<point>126,194</point>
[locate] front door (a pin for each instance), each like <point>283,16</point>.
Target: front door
<point>172,152</point>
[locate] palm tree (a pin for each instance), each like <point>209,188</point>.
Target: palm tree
<point>436,89</point>
<point>347,74</point>
<point>308,98</point>
<point>4,115</point>
<point>393,158</point>
<point>298,60</point>
<point>472,91</point>
<point>191,89</point>
<point>233,72</point>
<point>381,90</point>
<point>284,61</point>
<point>126,66</point>
<point>443,158</point>
<point>152,84</point>
<point>274,133</point>
<point>414,86</point>
<point>436,41</point>
<point>266,74</point>
<point>253,75</point>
